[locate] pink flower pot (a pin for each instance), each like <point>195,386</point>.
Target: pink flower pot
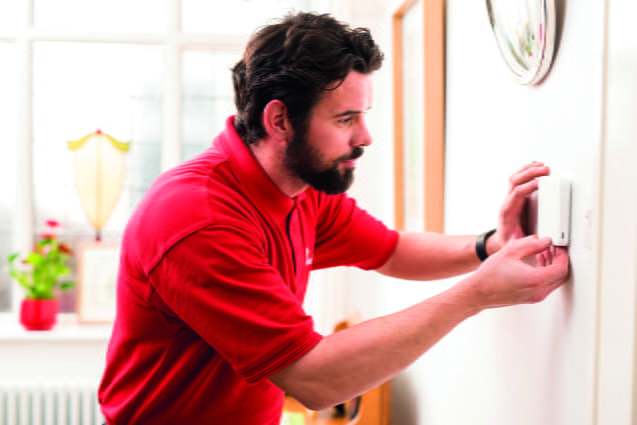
<point>38,315</point>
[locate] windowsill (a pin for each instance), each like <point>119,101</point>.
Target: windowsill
<point>67,329</point>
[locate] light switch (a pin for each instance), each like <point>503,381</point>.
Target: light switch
<point>554,209</point>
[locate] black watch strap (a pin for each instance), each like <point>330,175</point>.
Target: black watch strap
<point>481,244</point>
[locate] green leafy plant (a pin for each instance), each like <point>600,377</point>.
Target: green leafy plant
<point>41,271</point>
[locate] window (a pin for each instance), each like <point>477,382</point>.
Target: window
<point>110,16</point>
<point>207,97</point>
<point>8,137</point>
<point>79,88</point>
<point>125,67</point>
<point>238,17</point>
<point>9,16</point>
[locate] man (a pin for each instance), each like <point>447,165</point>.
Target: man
<point>215,261</point>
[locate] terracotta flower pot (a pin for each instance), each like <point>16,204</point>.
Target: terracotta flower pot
<point>38,315</point>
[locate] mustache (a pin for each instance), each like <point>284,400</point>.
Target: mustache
<point>357,152</point>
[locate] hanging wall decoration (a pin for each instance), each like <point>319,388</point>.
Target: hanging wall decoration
<point>525,33</point>
<point>98,165</point>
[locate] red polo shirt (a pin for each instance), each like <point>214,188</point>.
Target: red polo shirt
<point>215,263</point>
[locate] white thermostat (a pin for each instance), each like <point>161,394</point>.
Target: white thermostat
<point>554,209</point>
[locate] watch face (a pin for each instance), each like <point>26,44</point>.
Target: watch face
<point>525,33</point>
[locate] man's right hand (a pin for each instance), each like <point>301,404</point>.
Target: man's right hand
<point>505,279</point>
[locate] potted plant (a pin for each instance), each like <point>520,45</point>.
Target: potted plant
<point>40,273</point>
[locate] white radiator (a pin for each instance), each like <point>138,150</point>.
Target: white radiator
<point>32,402</point>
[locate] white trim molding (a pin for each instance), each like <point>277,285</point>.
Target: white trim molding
<point>617,321</point>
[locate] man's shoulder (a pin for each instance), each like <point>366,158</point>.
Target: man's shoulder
<point>189,185</point>
<point>183,200</point>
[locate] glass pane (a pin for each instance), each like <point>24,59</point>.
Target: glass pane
<point>8,143</point>
<point>101,16</point>
<point>207,98</point>
<point>78,89</point>
<point>234,17</point>
<point>10,16</point>
<point>414,111</point>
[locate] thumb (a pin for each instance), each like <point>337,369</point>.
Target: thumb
<point>529,245</point>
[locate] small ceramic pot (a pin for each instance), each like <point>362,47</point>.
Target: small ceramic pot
<point>38,315</point>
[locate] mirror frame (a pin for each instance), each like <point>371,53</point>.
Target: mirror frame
<point>546,49</point>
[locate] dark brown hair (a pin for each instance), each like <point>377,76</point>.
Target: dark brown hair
<point>294,61</point>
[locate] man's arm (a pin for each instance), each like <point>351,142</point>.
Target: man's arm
<point>356,359</point>
<point>430,256</point>
<point>427,256</point>
<point>352,361</point>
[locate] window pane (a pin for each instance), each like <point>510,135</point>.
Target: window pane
<point>79,88</point>
<point>10,16</point>
<point>8,141</point>
<point>414,108</point>
<point>234,17</point>
<point>101,16</point>
<point>207,98</point>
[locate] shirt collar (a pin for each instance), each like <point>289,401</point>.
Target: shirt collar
<point>253,178</point>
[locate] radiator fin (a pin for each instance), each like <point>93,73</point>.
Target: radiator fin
<point>60,402</point>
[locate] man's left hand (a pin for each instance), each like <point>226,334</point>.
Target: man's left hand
<point>513,212</point>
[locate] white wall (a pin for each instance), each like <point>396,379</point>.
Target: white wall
<point>532,364</point>
<point>540,364</point>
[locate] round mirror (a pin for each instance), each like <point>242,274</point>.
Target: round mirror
<point>525,33</point>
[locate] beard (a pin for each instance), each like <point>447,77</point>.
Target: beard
<point>307,163</point>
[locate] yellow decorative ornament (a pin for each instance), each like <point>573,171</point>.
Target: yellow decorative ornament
<point>98,166</point>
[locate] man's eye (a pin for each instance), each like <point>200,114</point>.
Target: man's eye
<point>345,121</point>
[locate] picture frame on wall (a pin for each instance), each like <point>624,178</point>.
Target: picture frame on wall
<point>98,264</point>
<point>418,53</point>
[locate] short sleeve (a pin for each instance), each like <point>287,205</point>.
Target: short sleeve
<point>349,236</point>
<point>219,283</point>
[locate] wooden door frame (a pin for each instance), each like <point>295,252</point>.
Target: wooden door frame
<point>434,87</point>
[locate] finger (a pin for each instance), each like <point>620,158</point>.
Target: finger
<point>541,259</point>
<point>557,271</point>
<point>561,253</point>
<point>514,204</point>
<point>527,174</point>
<point>530,245</point>
<point>529,165</point>
<point>549,256</point>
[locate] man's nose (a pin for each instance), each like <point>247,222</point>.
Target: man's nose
<point>362,137</point>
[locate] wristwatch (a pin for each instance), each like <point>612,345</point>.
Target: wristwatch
<point>481,244</point>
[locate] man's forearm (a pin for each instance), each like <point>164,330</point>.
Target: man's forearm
<point>359,358</point>
<point>430,256</point>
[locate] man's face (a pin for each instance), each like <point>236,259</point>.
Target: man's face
<point>324,153</point>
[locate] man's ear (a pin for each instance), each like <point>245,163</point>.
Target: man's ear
<point>275,120</point>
